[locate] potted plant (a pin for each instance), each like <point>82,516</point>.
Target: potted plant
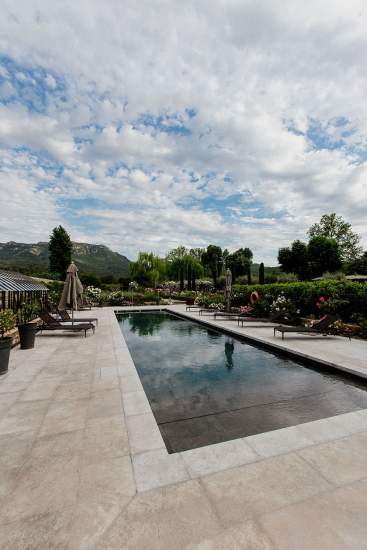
<point>7,322</point>
<point>27,330</point>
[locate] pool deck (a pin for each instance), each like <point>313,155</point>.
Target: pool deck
<point>83,464</point>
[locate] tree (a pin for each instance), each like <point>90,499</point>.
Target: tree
<point>358,266</point>
<point>335,227</point>
<point>60,248</point>
<point>212,258</point>
<point>149,269</point>
<point>177,264</point>
<point>194,270</point>
<point>323,255</point>
<point>249,279</point>
<point>261,274</point>
<point>295,260</point>
<point>239,262</point>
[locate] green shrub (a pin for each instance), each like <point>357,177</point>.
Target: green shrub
<point>206,300</point>
<point>7,321</point>
<point>345,297</point>
<point>116,298</point>
<point>28,311</point>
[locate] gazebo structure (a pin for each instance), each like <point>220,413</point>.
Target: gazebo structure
<point>16,288</point>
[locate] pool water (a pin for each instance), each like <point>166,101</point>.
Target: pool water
<point>205,387</point>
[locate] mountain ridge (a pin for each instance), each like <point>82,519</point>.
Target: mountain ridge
<point>98,259</point>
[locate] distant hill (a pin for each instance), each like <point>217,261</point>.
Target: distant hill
<point>90,258</point>
<point>269,271</point>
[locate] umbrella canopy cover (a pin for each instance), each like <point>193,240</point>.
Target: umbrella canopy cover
<point>228,282</point>
<point>73,289</point>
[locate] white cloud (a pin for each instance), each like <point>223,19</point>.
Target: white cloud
<point>259,77</point>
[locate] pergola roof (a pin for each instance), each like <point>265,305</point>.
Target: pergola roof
<point>10,281</point>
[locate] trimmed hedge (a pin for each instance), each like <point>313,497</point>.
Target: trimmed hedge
<point>348,298</point>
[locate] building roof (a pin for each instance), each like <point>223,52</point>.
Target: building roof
<point>10,281</point>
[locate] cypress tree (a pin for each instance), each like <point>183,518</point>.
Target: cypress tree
<point>189,277</point>
<point>261,274</point>
<point>249,274</point>
<point>60,248</point>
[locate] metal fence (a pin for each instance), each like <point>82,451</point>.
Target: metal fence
<point>16,288</point>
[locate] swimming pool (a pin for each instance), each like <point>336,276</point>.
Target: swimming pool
<point>206,387</point>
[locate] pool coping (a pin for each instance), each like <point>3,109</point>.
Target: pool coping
<point>155,467</point>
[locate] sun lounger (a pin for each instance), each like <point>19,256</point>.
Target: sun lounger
<point>323,326</point>
<point>271,319</point>
<point>65,317</point>
<point>50,323</point>
<point>227,314</point>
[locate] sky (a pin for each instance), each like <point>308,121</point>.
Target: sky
<point>148,125</point>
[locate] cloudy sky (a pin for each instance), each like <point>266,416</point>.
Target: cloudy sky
<point>146,124</point>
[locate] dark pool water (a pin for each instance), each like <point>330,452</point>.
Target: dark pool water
<point>205,387</point>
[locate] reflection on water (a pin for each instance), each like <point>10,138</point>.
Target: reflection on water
<point>204,386</point>
<point>228,352</point>
<point>145,325</point>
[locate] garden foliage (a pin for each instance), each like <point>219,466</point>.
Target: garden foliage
<point>343,298</point>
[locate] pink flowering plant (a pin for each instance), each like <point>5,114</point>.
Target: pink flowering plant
<point>246,310</point>
<point>284,306</point>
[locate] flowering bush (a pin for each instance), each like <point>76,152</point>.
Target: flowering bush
<point>321,301</point>
<point>199,299</point>
<point>115,298</point>
<point>330,305</point>
<point>93,292</point>
<point>285,306</point>
<point>246,310</point>
<point>216,305</point>
<point>203,285</point>
<point>170,286</point>
<point>133,285</point>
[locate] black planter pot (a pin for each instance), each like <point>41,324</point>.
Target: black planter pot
<point>27,335</point>
<point>5,347</point>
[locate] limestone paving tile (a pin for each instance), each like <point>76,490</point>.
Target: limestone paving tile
<point>14,448</point>
<point>8,480</point>
<point>247,491</point>
<point>6,400</point>
<point>135,403</point>
<point>335,520</point>
<point>23,416</point>
<point>278,441</point>
<point>130,383</point>
<point>106,487</point>
<point>105,437</point>
<point>71,391</point>
<point>48,530</point>
<point>64,416</point>
<point>172,517</point>
<point>351,423</point>
<point>248,535</point>
<point>105,403</point>
<point>43,485</point>
<point>144,434</point>
<point>110,383</point>
<point>213,458</point>
<point>66,443</point>
<point>39,390</point>
<point>157,469</point>
<point>341,461</point>
<point>320,431</point>
<point>8,385</point>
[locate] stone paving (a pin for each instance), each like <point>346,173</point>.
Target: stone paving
<point>83,465</point>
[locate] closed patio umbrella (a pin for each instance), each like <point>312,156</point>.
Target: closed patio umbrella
<point>72,291</point>
<point>228,288</point>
